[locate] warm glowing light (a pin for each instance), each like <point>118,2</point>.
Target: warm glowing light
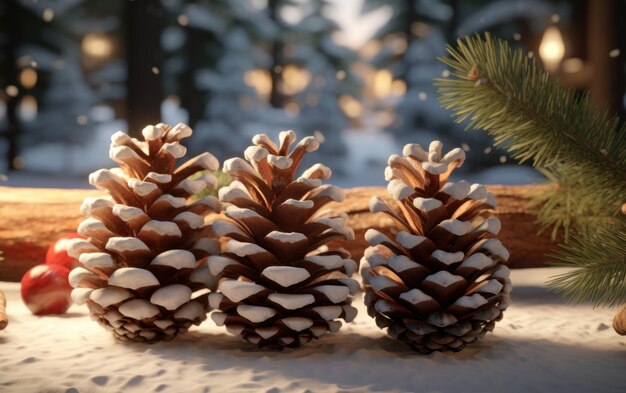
<point>97,46</point>
<point>295,79</point>
<point>28,78</point>
<point>573,65</point>
<point>398,87</point>
<point>292,109</point>
<point>47,15</point>
<point>12,91</point>
<point>260,80</point>
<point>382,85</point>
<point>351,107</point>
<point>552,48</point>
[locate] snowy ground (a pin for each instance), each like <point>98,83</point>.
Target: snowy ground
<point>541,345</point>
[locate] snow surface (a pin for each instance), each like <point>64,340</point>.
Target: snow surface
<point>541,345</point>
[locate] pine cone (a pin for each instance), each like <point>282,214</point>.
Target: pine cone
<point>147,243</point>
<point>441,283</point>
<point>279,283</point>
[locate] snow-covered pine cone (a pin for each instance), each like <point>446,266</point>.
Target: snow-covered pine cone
<point>279,284</point>
<point>441,282</point>
<point>145,256</point>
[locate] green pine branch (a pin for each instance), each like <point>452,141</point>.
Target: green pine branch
<point>577,146</point>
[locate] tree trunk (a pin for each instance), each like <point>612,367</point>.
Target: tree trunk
<point>33,218</point>
<point>143,43</point>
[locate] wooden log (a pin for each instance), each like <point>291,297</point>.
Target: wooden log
<point>31,219</point>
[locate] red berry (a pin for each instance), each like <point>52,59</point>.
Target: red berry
<point>57,252</point>
<point>46,289</point>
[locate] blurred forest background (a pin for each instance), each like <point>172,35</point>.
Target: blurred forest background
<point>357,73</point>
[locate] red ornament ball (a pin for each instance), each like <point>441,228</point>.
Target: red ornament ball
<point>57,252</point>
<point>46,289</point>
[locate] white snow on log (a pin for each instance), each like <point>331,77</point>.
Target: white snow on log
<point>178,259</point>
<point>151,133</point>
<point>226,228</point>
<point>237,291</point>
<point>443,278</point>
<point>297,324</point>
<point>219,318</point>
<point>80,295</point>
<point>142,188</point>
<point>133,278</point>
<point>292,301</point>
<point>478,261</point>
<point>448,258</point>
<point>441,319</point>
<point>207,244</point>
<point>138,309</point>
<point>190,311</point>
<point>234,191</point>
<point>194,220</point>
<point>235,165</point>
<point>121,154</point>
<point>426,204</point>
<point>171,200</point>
<point>309,143</point>
<point>280,162</point>
<point>415,296</point>
<point>408,240</point>
<point>215,299</point>
<point>456,227</point>
<point>286,237</point>
<point>174,149</point>
<point>375,237</point>
<point>502,272</point>
<point>255,314</point>
<point>435,168</point>
<point>491,225</point>
<point>399,190</point>
<point>77,275</point>
<point>477,191</point>
<point>217,263</point>
<point>308,204</point>
<point>109,295</point>
<point>255,153</point>
<point>328,312</point>
<point>474,301</point>
<point>125,244</point>
<point>286,276</point>
<point>171,297</point>
<point>92,224</point>
<point>96,260</point>
<point>162,178</point>
<point>266,332</point>
<point>334,293</point>
<point>326,261</point>
<point>458,190</point>
<point>163,323</point>
<point>242,249</point>
<point>127,213</point>
<point>456,154</point>
<point>317,171</point>
<point>415,150</point>
<point>400,263</point>
<point>239,213</point>
<point>91,204</point>
<point>162,228</point>
<point>192,187</point>
<point>75,247</point>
